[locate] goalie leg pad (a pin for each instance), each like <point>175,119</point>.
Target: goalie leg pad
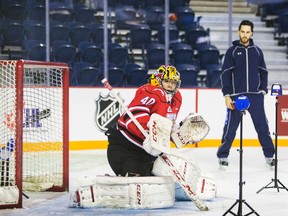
<point>126,192</point>
<point>9,195</point>
<point>201,183</point>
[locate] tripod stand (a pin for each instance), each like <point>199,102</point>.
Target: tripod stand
<point>276,181</point>
<point>240,201</point>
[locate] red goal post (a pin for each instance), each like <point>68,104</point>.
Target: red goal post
<point>34,137</point>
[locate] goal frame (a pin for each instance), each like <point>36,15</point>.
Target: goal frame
<point>19,84</point>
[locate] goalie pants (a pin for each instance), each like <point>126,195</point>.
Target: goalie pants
<point>125,158</point>
<point>257,112</point>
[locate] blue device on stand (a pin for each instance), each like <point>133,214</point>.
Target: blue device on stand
<point>242,103</point>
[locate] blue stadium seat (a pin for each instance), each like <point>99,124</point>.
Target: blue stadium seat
<point>37,12</point>
<point>189,74</point>
<point>154,17</point>
<point>27,45</point>
<point>63,51</point>
<point>125,17</point>
<point>130,66</point>
<point>84,15</point>
<point>119,56</point>
<point>173,34</point>
<point>182,54</point>
<point>90,53</point>
<point>35,32</point>
<point>15,11</point>
<point>86,74</point>
<point>55,45</point>
<point>208,55</point>
<point>59,32</point>
<point>37,53</point>
<point>271,9</point>
<point>116,76</point>
<point>213,76</point>
<point>62,15</point>
<point>155,55</point>
<point>34,50</point>
<point>139,37</point>
<point>197,36</point>
<point>137,77</point>
<point>185,18</point>
<point>174,4</point>
<point>282,24</point>
<point>13,34</point>
<point>97,34</point>
<point>78,34</point>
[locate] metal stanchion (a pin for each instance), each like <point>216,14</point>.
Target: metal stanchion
<point>276,90</point>
<point>242,103</point>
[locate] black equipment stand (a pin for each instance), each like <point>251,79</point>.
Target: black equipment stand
<point>276,181</point>
<point>240,201</point>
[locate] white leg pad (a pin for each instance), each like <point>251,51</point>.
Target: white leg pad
<point>9,195</point>
<point>126,192</point>
<point>201,183</point>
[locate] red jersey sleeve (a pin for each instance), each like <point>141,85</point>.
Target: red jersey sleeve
<point>148,100</point>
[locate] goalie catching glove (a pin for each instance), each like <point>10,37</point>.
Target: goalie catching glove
<point>192,130</point>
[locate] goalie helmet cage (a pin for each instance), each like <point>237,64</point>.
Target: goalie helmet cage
<point>34,116</point>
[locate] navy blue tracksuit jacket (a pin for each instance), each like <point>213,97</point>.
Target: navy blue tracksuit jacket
<point>244,73</point>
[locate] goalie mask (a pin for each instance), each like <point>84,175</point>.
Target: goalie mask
<point>167,73</point>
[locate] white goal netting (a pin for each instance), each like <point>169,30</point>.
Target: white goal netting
<point>33,131</point>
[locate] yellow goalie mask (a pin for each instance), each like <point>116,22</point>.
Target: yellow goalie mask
<point>165,72</point>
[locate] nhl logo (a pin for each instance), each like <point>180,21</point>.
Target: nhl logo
<point>107,111</point>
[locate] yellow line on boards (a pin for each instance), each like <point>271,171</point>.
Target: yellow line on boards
<point>102,144</point>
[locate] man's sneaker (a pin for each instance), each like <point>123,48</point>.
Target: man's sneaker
<point>270,161</point>
<point>223,161</point>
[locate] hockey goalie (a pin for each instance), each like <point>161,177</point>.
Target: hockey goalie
<point>148,171</point>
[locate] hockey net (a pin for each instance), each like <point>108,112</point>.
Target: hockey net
<point>33,129</point>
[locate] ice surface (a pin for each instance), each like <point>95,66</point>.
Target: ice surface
<point>256,174</point>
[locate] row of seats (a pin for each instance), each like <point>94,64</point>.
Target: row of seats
<point>75,32</point>
<point>86,74</point>
<point>186,42</point>
<point>133,75</point>
<point>276,15</point>
<point>138,4</point>
<point>152,14</point>
<point>64,51</point>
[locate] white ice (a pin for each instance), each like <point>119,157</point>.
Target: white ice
<point>270,201</point>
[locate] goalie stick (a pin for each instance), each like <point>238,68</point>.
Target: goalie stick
<point>179,178</point>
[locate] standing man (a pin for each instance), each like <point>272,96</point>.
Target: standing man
<point>244,73</point>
